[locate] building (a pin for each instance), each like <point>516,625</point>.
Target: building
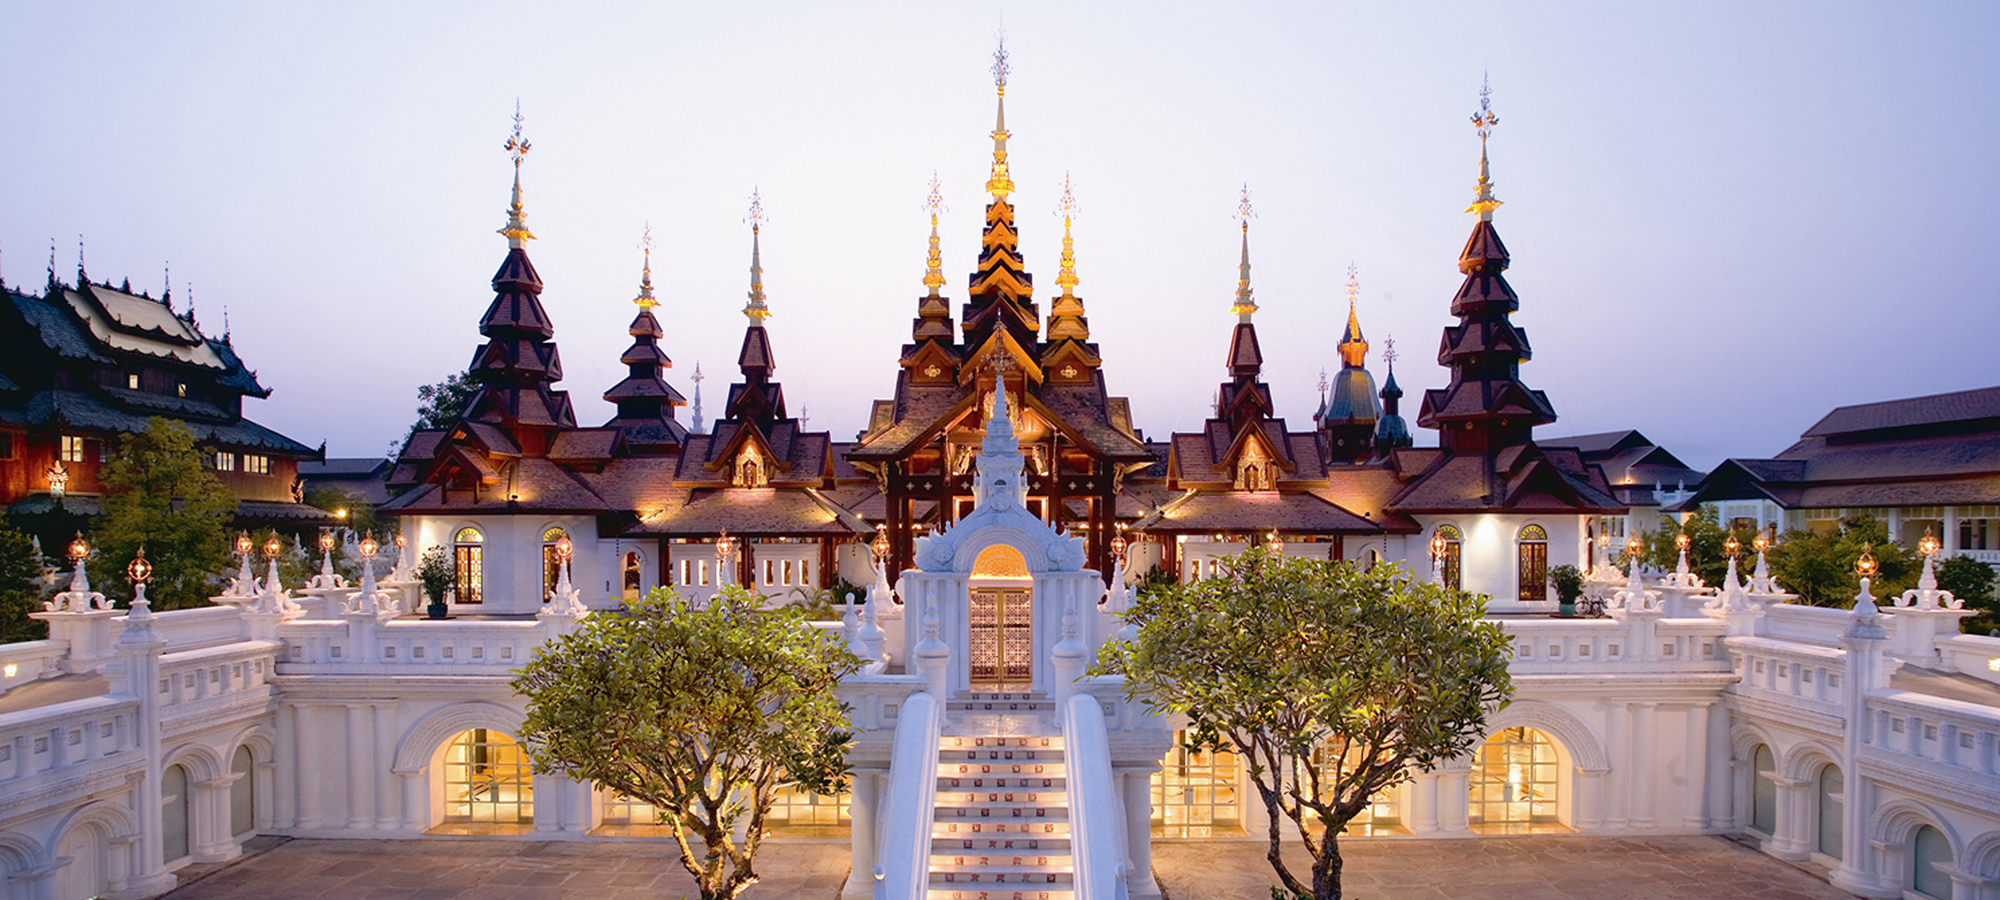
<point>993,483</point>
<point>1921,464</point>
<point>82,364</point>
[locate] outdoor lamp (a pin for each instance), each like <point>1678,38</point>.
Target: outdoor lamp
<point>1929,545</point>
<point>1865,566</point>
<point>368,547</point>
<point>880,545</point>
<point>139,570</point>
<point>1633,546</point>
<point>273,547</point>
<point>326,541</point>
<point>1732,546</point>
<point>58,480</point>
<point>564,548</point>
<point>1437,545</point>
<point>1761,542</point>
<point>1118,545</point>
<point>78,549</point>
<point>243,543</point>
<point>1274,545</point>
<point>1681,540</point>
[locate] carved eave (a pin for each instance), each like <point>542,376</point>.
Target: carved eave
<point>923,358</point>
<point>1062,357</point>
<point>1245,438</point>
<point>727,455</point>
<point>1000,341</point>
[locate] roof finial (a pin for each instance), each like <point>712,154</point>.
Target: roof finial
<point>999,184</point>
<point>645,298</point>
<point>516,230</point>
<point>81,275</point>
<point>695,426</point>
<point>1245,305</point>
<point>1389,352</point>
<point>1066,207</point>
<point>52,262</point>
<point>167,279</point>
<point>934,262</point>
<point>1353,347</point>
<point>1483,122</point>
<point>755,309</point>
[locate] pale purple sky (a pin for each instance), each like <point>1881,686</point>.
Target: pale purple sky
<point>1726,218</point>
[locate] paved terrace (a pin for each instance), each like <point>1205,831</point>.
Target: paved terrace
<point>1515,868</point>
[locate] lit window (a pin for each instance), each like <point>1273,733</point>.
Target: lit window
<point>181,389</point>
<point>1194,794</point>
<point>787,577</point>
<point>468,556</point>
<point>1451,555</point>
<point>1534,564</point>
<point>132,381</point>
<point>805,571</point>
<point>72,448</point>
<point>256,464</point>
<point>687,572</point>
<point>225,461</point>
<point>551,561</point>
<point>487,779</point>
<point>634,575</point>
<point>770,570</point>
<point>702,571</point>
<point>1514,783</point>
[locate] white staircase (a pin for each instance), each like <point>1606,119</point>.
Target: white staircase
<point>1001,826</point>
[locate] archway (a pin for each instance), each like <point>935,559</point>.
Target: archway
<point>1763,790</point>
<point>1001,648</point>
<point>1516,784</point>
<point>87,847</point>
<point>242,792</point>
<point>487,780</point>
<point>174,838</point>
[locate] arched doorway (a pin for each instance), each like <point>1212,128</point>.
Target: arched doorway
<point>1515,785</point>
<point>1533,552</point>
<point>1449,562</point>
<point>242,793</point>
<point>1001,648</point>
<point>487,780</point>
<point>633,575</point>
<point>1930,858</point>
<point>1832,796</point>
<point>86,873</point>
<point>1763,790</point>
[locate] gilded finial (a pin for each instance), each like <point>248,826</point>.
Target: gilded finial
<point>1353,347</point>
<point>645,298</point>
<point>1483,122</point>
<point>516,230</point>
<point>1245,305</point>
<point>934,262</point>
<point>1066,207</point>
<point>1000,183</point>
<point>755,309</point>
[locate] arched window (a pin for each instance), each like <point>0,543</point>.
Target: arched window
<point>1930,855</point>
<point>1763,791</point>
<point>174,813</point>
<point>1451,555</point>
<point>242,793</point>
<point>635,576</point>
<point>1832,796</point>
<point>487,779</point>
<point>1533,550</point>
<point>1370,558</point>
<point>551,560</point>
<point>1514,783</point>
<point>1194,793</point>
<point>467,551</point>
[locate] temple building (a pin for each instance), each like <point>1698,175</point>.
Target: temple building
<point>997,512</point>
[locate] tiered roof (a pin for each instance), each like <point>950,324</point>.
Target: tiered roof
<point>644,399</point>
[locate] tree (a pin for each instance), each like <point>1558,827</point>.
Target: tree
<point>1708,553</point>
<point>439,406</point>
<point>1819,566</point>
<point>1333,683</point>
<point>703,712</point>
<point>158,494</point>
<point>20,588</point>
<point>1970,580</point>
<point>347,507</point>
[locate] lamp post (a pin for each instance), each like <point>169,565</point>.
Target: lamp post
<point>139,571</point>
<point>1929,545</point>
<point>725,553</point>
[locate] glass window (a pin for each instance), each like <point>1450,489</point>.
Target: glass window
<point>1930,855</point>
<point>72,448</point>
<point>225,461</point>
<point>132,381</point>
<point>174,813</point>
<point>242,793</point>
<point>1451,555</point>
<point>802,813</point>
<point>1514,784</point>
<point>1380,816</point>
<point>1194,793</point>
<point>1534,568</point>
<point>551,560</point>
<point>701,565</point>
<point>634,577</point>
<point>687,572</point>
<point>468,557</point>
<point>769,569</point>
<point>622,810</point>
<point>1763,791</point>
<point>1831,796</point>
<point>256,464</point>
<point>487,779</point>
<point>786,577</point>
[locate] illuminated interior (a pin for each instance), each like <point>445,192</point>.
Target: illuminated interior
<point>1194,794</point>
<point>1514,787</point>
<point>487,780</point>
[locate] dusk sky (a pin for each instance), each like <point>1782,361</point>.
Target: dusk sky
<point>1725,218</point>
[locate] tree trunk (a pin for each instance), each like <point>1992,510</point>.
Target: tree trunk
<point>1326,869</point>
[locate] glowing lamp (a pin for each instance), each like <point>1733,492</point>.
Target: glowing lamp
<point>564,548</point>
<point>139,570</point>
<point>58,480</point>
<point>243,544</point>
<point>1118,545</point>
<point>1437,545</point>
<point>1681,540</point>
<point>401,541</point>
<point>1732,546</point>
<point>1865,566</point>
<point>1633,546</point>
<point>273,547</point>
<point>1929,545</point>
<point>340,513</point>
<point>326,540</point>
<point>369,547</point>
<point>1762,543</point>
<point>78,549</point>
<point>1274,545</point>
<point>880,546</point>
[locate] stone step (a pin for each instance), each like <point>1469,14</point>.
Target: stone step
<point>1001,742</point>
<point>999,844</point>
<point>1006,781</point>
<point>1057,891</point>
<point>999,829</point>
<point>1001,877</point>
<point>1002,869</point>
<point>1023,768</point>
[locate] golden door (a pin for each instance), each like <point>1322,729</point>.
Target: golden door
<point>1003,632</point>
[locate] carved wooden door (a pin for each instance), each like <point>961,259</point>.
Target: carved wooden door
<point>1003,631</point>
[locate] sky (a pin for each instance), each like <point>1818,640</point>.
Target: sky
<point>1725,218</point>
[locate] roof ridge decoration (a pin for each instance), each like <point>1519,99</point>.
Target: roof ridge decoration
<point>1067,323</point>
<point>1246,304</point>
<point>999,183</point>
<point>646,300</point>
<point>1353,347</point>
<point>516,230</point>
<point>1483,122</point>
<point>934,260</point>
<point>756,310</point>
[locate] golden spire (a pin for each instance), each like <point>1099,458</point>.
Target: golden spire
<point>516,230</point>
<point>1066,207</point>
<point>1353,348</point>
<point>645,298</point>
<point>755,310</point>
<point>934,263</point>
<point>1244,305</point>
<point>1483,121</point>
<point>999,184</point>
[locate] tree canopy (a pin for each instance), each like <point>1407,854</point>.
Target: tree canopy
<point>21,588</point>
<point>439,405</point>
<point>159,494</point>
<point>1332,682</point>
<point>1819,565</point>
<point>703,712</point>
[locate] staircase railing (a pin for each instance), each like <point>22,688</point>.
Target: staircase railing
<point>902,869</point>
<point>1096,835</point>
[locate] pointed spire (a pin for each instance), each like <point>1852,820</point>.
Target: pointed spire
<point>82,277</point>
<point>1353,347</point>
<point>52,265</point>
<point>516,229</point>
<point>1483,121</point>
<point>167,282</point>
<point>755,309</point>
<point>999,184</point>
<point>1066,207</point>
<point>696,426</point>
<point>934,261</point>
<point>645,300</point>
<point>1245,305</point>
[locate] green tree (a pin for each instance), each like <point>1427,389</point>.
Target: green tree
<point>1970,580</point>
<point>20,588</point>
<point>359,514</point>
<point>1819,566</point>
<point>1708,552</point>
<point>439,406</point>
<point>158,494</point>
<point>1333,683</point>
<point>702,712</point>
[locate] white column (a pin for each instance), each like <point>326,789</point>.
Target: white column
<point>1695,816</point>
<point>308,771</point>
<point>1789,841</point>
<point>1645,774</point>
<point>416,789</point>
<point>284,786</point>
<point>383,724</point>
<point>1587,807</point>
<point>1451,800</point>
<point>1424,803</point>
<point>1618,749</point>
<point>360,794</point>
<point>1138,784</point>
<point>1721,775</point>
<point>861,844</point>
<point>1949,538</point>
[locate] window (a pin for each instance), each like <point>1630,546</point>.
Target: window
<point>1451,555</point>
<point>132,381</point>
<point>72,448</point>
<point>634,575</point>
<point>1514,784</point>
<point>225,461</point>
<point>786,576</point>
<point>1379,817</point>
<point>174,813</point>
<point>1930,855</point>
<point>467,555</point>
<point>487,779</point>
<point>1194,793</point>
<point>242,793</point>
<point>256,464</point>
<point>687,572</point>
<point>1534,569</point>
<point>1763,789</point>
<point>551,560</point>
<point>1831,788</point>
<point>6,445</point>
<point>622,810</point>
<point>769,570</point>
<point>180,389</point>
<point>799,812</point>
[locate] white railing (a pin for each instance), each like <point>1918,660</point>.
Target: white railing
<point>1971,654</point>
<point>1950,737</point>
<point>401,646</point>
<point>199,627</point>
<point>876,702</point>
<point>1096,839</point>
<point>1791,673</point>
<point>903,868</point>
<point>1812,624</point>
<point>1989,557</point>
<point>194,681</point>
<point>51,742</point>
<point>1556,646</point>
<point>30,661</point>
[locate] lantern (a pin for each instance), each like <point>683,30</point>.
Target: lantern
<point>401,541</point>
<point>273,547</point>
<point>1761,542</point>
<point>1681,541</point>
<point>564,548</point>
<point>880,546</point>
<point>326,541</point>
<point>1118,545</point>
<point>139,570</point>
<point>58,480</point>
<point>369,547</point>
<point>78,549</point>
<point>1732,546</point>
<point>1929,545</point>
<point>1865,566</point>
<point>1274,545</point>
<point>243,544</point>
<point>1437,545</point>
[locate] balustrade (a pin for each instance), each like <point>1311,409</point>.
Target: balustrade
<point>45,742</point>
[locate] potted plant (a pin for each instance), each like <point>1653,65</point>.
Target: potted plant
<point>1568,582</point>
<point>435,574</point>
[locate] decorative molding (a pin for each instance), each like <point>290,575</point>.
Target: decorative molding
<point>413,752</point>
<point>1585,748</point>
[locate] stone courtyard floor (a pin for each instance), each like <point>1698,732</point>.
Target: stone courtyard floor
<point>1510,868</point>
